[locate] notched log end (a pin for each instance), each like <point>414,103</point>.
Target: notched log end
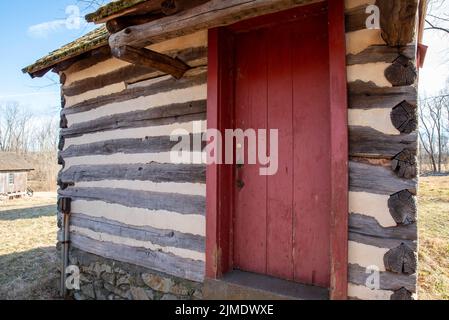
<point>404,117</point>
<point>401,260</point>
<point>402,72</point>
<point>402,207</point>
<point>402,294</point>
<point>404,164</point>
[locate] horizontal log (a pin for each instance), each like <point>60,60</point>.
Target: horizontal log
<point>154,172</point>
<point>196,77</point>
<point>128,73</point>
<point>170,7</point>
<point>214,13</point>
<point>355,18</point>
<point>368,142</point>
<point>132,146</point>
<point>401,260</point>
<point>398,21</point>
<point>388,280</point>
<point>368,226</point>
<point>377,179</point>
<point>175,113</point>
<point>366,95</point>
<point>86,60</point>
<point>166,238</point>
<point>384,243</point>
<point>158,261</point>
<point>380,53</point>
<point>179,203</point>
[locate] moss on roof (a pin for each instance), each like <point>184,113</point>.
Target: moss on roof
<point>111,8</point>
<point>92,40</point>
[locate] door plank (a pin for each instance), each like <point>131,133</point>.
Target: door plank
<point>280,192</point>
<point>250,110</point>
<point>311,152</point>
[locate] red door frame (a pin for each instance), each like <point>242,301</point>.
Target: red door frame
<point>220,177</point>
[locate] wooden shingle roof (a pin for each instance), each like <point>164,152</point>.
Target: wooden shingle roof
<point>92,40</point>
<point>13,162</point>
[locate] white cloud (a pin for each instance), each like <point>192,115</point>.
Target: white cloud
<point>43,30</point>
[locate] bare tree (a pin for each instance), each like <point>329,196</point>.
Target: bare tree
<point>438,18</point>
<point>14,127</point>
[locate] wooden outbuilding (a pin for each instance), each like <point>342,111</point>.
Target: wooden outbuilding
<point>337,80</point>
<point>14,171</point>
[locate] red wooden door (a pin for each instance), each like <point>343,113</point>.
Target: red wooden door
<point>282,222</point>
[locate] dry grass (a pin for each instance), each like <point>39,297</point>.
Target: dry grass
<point>434,238</point>
<point>27,248</point>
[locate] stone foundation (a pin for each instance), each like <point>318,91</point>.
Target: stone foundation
<point>105,279</point>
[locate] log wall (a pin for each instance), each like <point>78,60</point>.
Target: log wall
<point>130,203</point>
<point>383,145</point>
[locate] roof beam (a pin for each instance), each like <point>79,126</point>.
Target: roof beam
<point>151,59</point>
<point>214,13</point>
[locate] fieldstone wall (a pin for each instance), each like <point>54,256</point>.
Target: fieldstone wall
<point>105,279</point>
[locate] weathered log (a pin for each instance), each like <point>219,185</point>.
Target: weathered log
<point>369,226</point>
<point>151,59</point>
<point>401,260</point>
<point>63,101</point>
<point>380,53</point>
<point>402,294</point>
<point>62,78</point>
<point>154,172</point>
<point>166,238</point>
<point>63,122</point>
<point>383,243</point>
<point>170,7</point>
<point>128,73</point>
<point>368,142</point>
<point>404,117</point>
<point>120,23</point>
<point>377,179</point>
<point>86,60</point>
<point>214,13</point>
<point>397,21</point>
<point>158,261</point>
<point>388,280</point>
<point>403,207</point>
<point>193,78</point>
<point>175,113</point>
<point>131,146</point>
<point>355,18</point>
<point>366,95</point>
<point>61,161</point>
<point>402,72</point>
<point>179,203</point>
<point>61,143</point>
<point>404,164</point>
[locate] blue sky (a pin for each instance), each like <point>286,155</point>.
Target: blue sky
<point>35,28</point>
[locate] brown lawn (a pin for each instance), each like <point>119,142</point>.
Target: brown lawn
<point>434,238</point>
<point>28,235</point>
<point>27,248</point>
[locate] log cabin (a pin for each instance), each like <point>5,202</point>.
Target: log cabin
<point>337,79</point>
<point>14,171</point>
